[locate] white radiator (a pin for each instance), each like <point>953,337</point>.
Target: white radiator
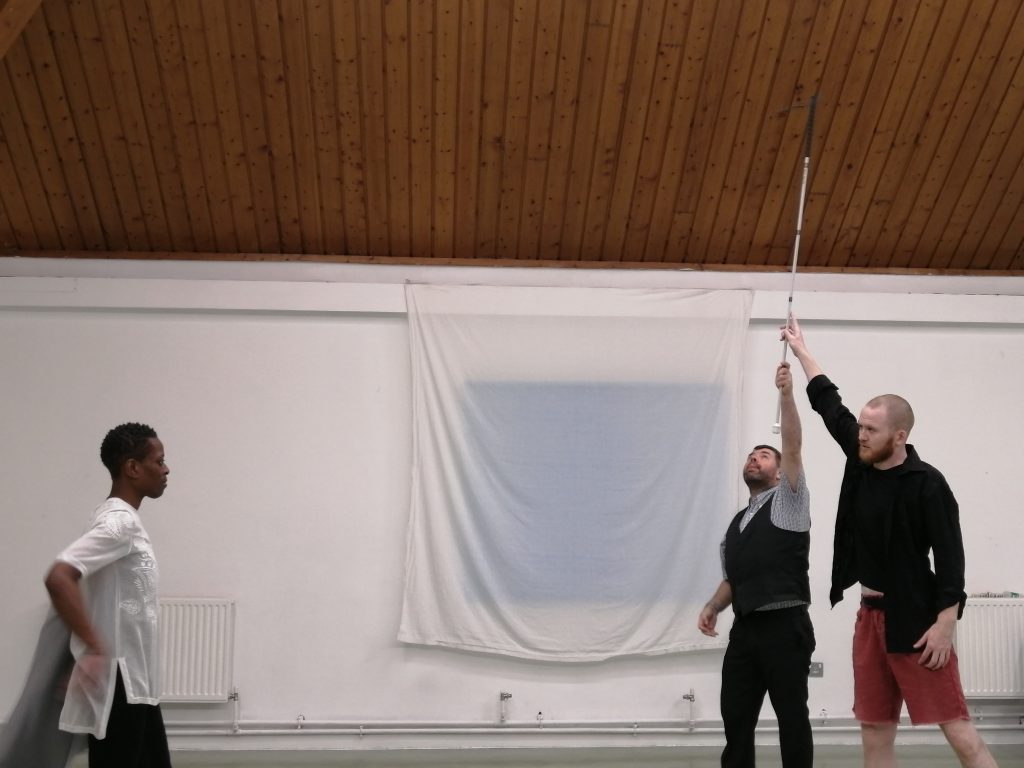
<point>990,647</point>
<point>197,641</point>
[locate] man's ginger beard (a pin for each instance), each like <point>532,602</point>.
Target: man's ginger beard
<point>879,455</point>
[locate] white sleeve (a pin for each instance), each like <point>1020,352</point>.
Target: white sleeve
<point>109,539</point>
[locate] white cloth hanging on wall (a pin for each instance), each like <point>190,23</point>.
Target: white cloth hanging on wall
<point>575,455</point>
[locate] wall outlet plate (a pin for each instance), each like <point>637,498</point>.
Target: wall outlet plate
<point>817,669</point>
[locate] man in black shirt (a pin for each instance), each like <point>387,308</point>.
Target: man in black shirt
<point>895,510</point>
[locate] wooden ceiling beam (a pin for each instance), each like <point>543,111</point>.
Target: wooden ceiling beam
<point>421,261</point>
<point>13,18</point>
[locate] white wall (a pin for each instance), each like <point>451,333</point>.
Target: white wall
<point>282,396</point>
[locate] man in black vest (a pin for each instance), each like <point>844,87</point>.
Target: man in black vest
<point>896,516</point>
<point>764,562</point>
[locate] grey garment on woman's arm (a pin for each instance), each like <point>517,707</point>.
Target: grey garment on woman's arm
<point>31,735</point>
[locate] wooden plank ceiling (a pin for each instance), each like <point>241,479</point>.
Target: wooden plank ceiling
<point>612,133</point>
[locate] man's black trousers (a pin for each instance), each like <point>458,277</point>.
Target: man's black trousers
<point>769,652</point>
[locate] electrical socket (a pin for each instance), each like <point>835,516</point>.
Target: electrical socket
<point>817,669</point>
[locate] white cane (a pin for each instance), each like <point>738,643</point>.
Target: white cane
<point>809,132</point>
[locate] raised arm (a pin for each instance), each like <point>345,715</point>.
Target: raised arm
<point>792,434</point>
<point>795,338</point>
<point>822,393</point>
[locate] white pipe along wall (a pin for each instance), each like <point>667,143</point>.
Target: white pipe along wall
<point>282,395</point>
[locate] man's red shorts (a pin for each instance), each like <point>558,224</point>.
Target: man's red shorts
<point>883,681</point>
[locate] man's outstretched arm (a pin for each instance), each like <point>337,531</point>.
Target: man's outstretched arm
<point>792,434</point>
<point>795,338</point>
